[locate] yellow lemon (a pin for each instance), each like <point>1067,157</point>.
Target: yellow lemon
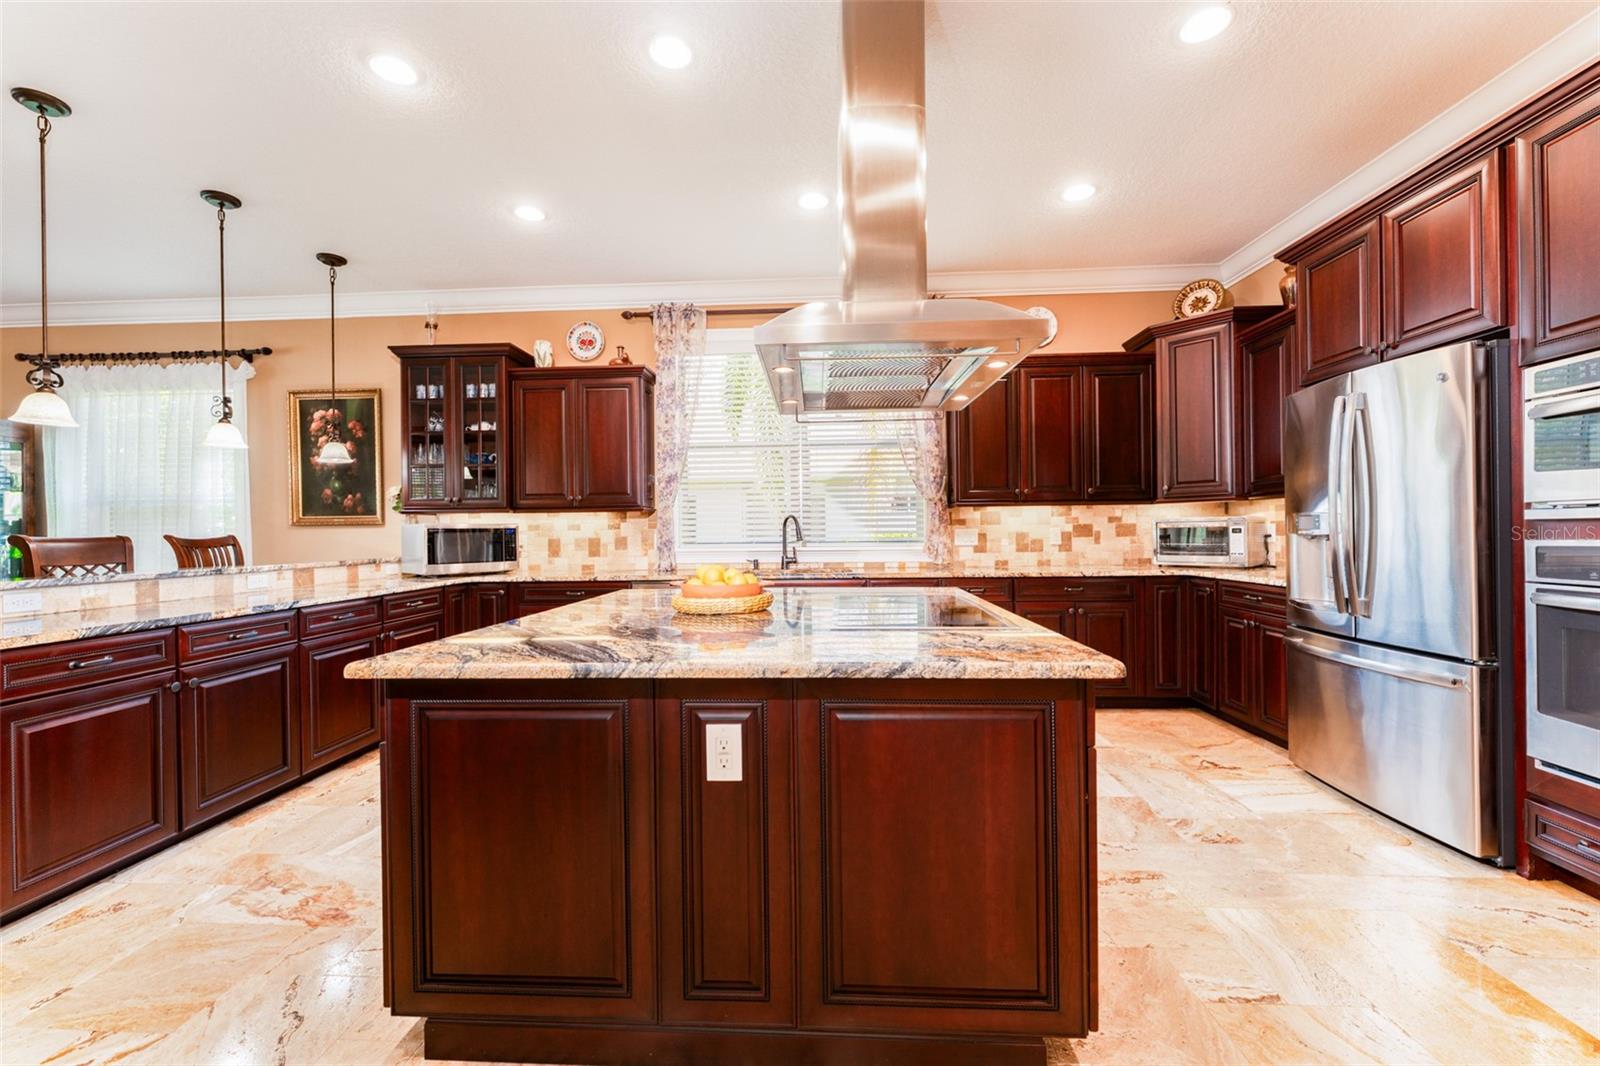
<point>694,581</point>
<point>713,574</point>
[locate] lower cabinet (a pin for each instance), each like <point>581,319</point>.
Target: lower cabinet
<point>1104,613</point>
<point>1200,612</point>
<point>531,597</point>
<point>337,715</point>
<point>487,605</point>
<point>1252,658</point>
<point>240,726</point>
<point>90,780</point>
<point>1166,651</point>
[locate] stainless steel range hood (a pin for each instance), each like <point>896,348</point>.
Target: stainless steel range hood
<point>885,346</point>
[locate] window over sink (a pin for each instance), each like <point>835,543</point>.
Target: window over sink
<point>749,466</point>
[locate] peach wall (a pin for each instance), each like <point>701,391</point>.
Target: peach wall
<point>1259,287</point>
<point>1088,322</point>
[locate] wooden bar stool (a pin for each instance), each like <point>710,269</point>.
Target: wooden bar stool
<point>205,553</point>
<point>73,556</point>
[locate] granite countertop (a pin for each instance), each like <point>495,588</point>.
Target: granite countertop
<point>807,633</point>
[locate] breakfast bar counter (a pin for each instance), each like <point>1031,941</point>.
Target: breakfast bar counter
<point>855,827</point>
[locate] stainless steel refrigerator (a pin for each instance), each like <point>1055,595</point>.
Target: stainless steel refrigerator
<point>1395,485</point>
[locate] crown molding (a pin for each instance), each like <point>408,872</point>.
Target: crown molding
<point>1564,54</point>
<point>589,297</point>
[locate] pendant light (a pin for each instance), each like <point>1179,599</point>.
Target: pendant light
<point>334,452</point>
<point>224,434</point>
<point>42,407</point>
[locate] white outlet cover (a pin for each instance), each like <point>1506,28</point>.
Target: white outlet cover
<point>724,751</point>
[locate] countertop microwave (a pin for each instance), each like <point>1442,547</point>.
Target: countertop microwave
<point>437,550</point>
<point>1231,540</point>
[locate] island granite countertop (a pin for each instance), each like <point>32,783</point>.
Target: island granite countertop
<point>807,633</point>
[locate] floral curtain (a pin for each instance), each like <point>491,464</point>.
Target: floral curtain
<point>680,343</point>
<point>922,445</point>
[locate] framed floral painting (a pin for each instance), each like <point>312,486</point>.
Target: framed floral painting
<point>346,495</point>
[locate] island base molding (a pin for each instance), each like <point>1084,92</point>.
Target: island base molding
<point>605,1046</point>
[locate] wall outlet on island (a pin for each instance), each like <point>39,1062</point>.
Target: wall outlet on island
<point>724,751</point>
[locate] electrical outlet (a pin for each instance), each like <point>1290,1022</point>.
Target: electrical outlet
<point>724,751</point>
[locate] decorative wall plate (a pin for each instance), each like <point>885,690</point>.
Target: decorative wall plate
<point>1050,317</point>
<point>586,341</point>
<point>1199,298</point>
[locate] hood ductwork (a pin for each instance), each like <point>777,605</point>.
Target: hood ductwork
<point>885,346</point>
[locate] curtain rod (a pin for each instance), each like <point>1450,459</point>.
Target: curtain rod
<point>629,315</point>
<point>202,355</point>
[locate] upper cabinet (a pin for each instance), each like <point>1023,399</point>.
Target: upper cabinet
<point>1056,429</point>
<point>1558,230</point>
<point>585,438</point>
<point>455,444</point>
<point>1197,398</point>
<point>1266,354</point>
<point>1423,272</point>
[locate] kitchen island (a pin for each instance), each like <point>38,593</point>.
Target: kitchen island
<point>857,827</point>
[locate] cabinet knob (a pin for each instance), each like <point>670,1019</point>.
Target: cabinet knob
<point>176,686</point>
<point>194,682</point>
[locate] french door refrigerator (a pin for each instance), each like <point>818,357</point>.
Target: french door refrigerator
<point>1396,489</point>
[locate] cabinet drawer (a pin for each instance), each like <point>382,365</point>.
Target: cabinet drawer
<point>542,596</point>
<point>901,582</point>
<point>54,667</point>
<point>1264,599</point>
<point>212,640</point>
<point>993,589</point>
<point>408,605</point>
<point>1077,588</point>
<point>1564,838</point>
<point>340,617</point>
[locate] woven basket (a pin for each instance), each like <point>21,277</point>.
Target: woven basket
<point>727,605</point>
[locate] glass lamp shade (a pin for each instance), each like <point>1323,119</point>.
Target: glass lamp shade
<point>224,434</point>
<point>334,453</point>
<point>44,408</point>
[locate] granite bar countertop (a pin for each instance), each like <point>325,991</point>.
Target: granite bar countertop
<point>807,633</point>
<point>24,630</point>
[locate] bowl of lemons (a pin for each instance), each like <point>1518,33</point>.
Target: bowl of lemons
<point>717,589</point>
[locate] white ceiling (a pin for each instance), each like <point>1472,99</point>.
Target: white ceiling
<point>653,177</point>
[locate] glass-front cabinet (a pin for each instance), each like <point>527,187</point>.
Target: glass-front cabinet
<point>455,447</point>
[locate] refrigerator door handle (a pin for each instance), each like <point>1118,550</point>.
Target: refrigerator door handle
<point>1361,663</point>
<point>1339,533</point>
<point>1364,469</point>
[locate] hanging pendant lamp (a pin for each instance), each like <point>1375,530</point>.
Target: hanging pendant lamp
<point>42,407</point>
<point>224,434</point>
<point>334,451</point>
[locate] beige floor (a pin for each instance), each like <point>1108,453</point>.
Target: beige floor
<point>1247,914</point>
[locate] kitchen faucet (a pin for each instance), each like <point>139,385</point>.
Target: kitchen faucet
<point>789,557</point>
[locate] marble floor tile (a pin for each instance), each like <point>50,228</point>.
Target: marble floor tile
<point>1248,914</point>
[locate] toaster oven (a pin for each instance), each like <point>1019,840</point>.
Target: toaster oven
<point>1232,540</point>
<point>436,550</point>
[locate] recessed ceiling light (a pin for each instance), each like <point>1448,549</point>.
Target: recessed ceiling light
<point>996,364</point>
<point>1205,24</point>
<point>671,52</point>
<point>528,213</point>
<point>813,201</point>
<point>393,69</point>
<point>783,370</point>
<point>959,398</point>
<point>1080,190</point>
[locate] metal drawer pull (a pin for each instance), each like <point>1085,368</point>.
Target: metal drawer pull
<point>342,617</point>
<point>1252,597</point>
<point>1362,663</point>
<point>575,592</point>
<point>79,664</point>
<point>415,603</point>
<point>246,635</point>
<point>1073,588</point>
<point>1573,601</point>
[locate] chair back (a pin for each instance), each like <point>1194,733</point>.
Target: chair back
<point>205,553</point>
<point>73,556</point>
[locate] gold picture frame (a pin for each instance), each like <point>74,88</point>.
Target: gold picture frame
<point>348,496</point>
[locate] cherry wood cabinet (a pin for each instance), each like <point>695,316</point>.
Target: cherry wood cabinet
<point>239,728</point>
<point>1340,304</point>
<point>585,438</point>
<point>1266,357</point>
<point>1558,222</point>
<point>1200,614</point>
<point>488,605</point>
<point>531,597</point>
<point>90,780</point>
<point>1107,614</point>
<point>1057,429</point>
<point>1166,638</point>
<point>1251,658</point>
<point>455,446</point>
<point>338,716</point>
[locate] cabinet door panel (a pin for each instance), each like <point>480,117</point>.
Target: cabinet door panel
<point>985,466</point>
<point>544,442</point>
<point>489,606</point>
<point>338,715</point>
<point>1339,305</point>
<point>1113,629</point>
<point>428,421</point>
<point>1057,619</point>
<point>1167,643</point>
<point>1201,594</point>
<point>1118,441</point>
<point>1194,398</point>
<point>1235,664</point>
<point>240,732</point>
<point>1052,420</point>
<point>1558,220</point>
<point>90,779</point>
<point>609,452</point>
<point>1264,363</point>
<point>726,858</point>
<point>1443,261</point>
<point>1272,697</point>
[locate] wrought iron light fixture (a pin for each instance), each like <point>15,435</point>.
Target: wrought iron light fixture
<point>224,434</point>
<point>42,406</point>
<point>334,452</point>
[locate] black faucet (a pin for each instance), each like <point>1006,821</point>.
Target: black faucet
<point>789,557</point>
